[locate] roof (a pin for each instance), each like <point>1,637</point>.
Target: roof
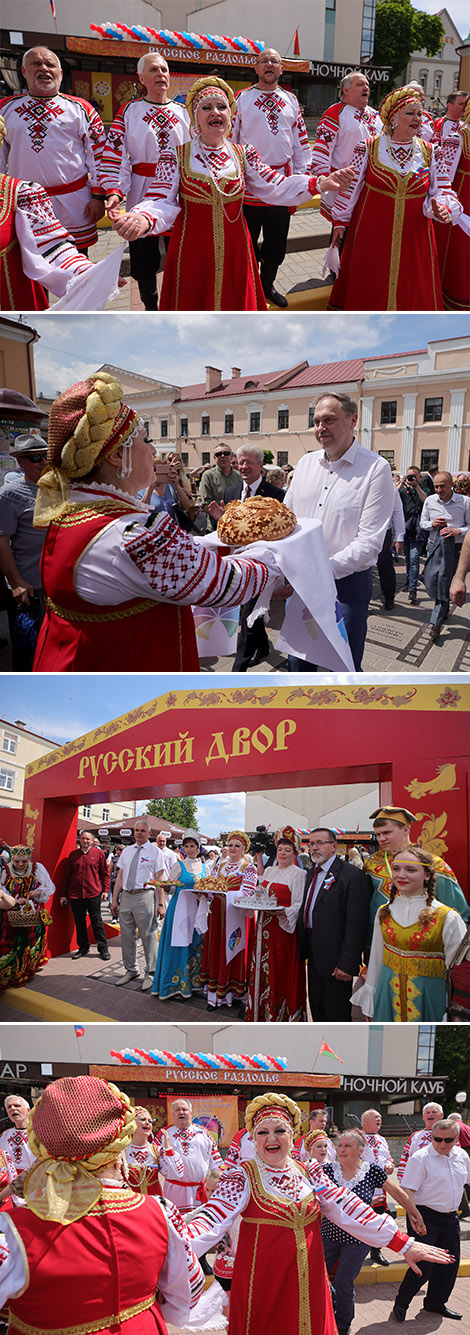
<point>295,377</point>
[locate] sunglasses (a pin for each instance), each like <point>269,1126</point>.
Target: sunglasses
<point>223,454</point>
<point>444,1140</point>
<point>35,458</point>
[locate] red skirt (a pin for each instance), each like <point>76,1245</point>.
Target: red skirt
<point>282,992</point>
<point>210,264</point>
<point>217,976</point>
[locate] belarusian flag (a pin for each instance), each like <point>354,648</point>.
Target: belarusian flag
<point>325,1048</point>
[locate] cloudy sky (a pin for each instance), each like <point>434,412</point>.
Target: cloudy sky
<point>458,10</point>
<point>176,348</point>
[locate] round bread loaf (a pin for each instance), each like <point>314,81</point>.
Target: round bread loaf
<point>258,518</point>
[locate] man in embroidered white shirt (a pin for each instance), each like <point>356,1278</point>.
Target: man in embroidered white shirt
<point>342,127</point>
<point>377,1151</point>
<point>435,1178</point>
<point>351,491</point>
<point>432,1112</point>
<point>14,1142</point>
<point>199,1153</point>
<point>446,517</point>
<point>140,870</point>
<point>269,117</point>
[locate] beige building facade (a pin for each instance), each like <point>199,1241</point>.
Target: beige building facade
<point>19,747</point>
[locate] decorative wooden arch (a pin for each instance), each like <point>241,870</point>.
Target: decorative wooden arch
<point>411,740</point>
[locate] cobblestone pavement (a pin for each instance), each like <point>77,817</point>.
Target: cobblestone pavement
<point>397,641</point>
<point>300,269</point>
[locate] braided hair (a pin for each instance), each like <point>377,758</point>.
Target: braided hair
<point>427,861</point>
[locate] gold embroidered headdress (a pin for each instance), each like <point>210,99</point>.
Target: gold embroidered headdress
<point>393,103</point>
<point>276,1105</point>
<point>79,1125</point>
<point>86,423</point>
<point>209,86</point>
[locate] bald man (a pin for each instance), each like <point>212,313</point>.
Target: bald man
<point>56,139</point>
<point>446,517</point>
<point>270,118</point>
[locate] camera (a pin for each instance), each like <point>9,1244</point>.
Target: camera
<point>262,842</point>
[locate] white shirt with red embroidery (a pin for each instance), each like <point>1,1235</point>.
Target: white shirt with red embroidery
<point>241,1148</point>
<point>413,161</point>
<point>262,182</point>
<point>18,1155</point>
<point>48,253</point>
<point>151,1155</point>
<point>341,128</point>
<point>342,1207</point>
<point>376,1150</point>
<point>273,123</point>
<point>160,561</point>
<point>140,132</point>
<point>56,141</point>
<point>417,1141</point>
<point>200,1156</point>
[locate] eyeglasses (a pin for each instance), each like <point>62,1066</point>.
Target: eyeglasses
<point>223,454</point>
<point>444,1140</point>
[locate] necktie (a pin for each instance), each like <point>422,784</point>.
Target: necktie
<point>310,891</point>
<point>247,493</point>
<point>130,883</point>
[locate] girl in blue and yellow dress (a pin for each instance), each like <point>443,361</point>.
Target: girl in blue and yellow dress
<point>178,971</point>
<point>414,940</point>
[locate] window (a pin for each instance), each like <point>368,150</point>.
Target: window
<point>86,812</point>
<point>255,421</point>
<point>388,412</point>
<point>389,455</point>
<point>429,459</point>
<point>7,778</point>
<point>228,424</point>
<point>164,428</point>
<point>433,410</point>
<point>184,427</point>
<point>147,427</point>
<point>185,456</point>
<point>282,458</point>
<point>283,419</point>
<point>368,29</point>
<point>423,79</point>
<point>311,417</point>
<point>105,813</point>
<point>10,742</point>
<point>425,1053</point>
<point>205,425</point>
<point>437,82</point>
<point>206,458</point>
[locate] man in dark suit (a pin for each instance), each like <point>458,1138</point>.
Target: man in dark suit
<point>253,644</point>
<point>332,927</point>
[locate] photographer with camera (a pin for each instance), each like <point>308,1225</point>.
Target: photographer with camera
<point>413,492</point>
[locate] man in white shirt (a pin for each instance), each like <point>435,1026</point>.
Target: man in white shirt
<point>199,1153</point>
<point>432,1112</point>
<point>445,125</point>
<point>435,1178</point>
<point>342,127</point>
<point>269,117</point>
<point>143,129</point>
<point>351,491</point>
<point>140,870</point>
<point>446,517</point>
<point>14,1142</point>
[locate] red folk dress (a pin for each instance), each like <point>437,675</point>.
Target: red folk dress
<point>282,990</point>
<point>225,982</point>
<point>23,949</point>
<point>17,292</point>
<point>453,243</point>
<point>389,260</point>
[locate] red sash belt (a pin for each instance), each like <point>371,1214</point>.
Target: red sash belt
<point>67,189</point>
<point>201,1194</point>
<point>144,168</point>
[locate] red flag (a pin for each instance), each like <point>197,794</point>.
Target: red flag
<point>296,43</point>
<point>325,1047</point>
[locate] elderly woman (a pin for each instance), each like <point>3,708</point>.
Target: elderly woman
<point>279,1281</point>
<point>414,940</point>
<point>199,187</point>
<point>281,982</point>
<point>224,957</point>
<point>84,1236</point>
<point>23,947</point>
<point>178,971</point>
<point>343,1253</point>
<point>143,1156</point>
<point>400,186</point>
<point>119,580</point>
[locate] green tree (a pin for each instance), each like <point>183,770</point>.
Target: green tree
<point>268,457</point>
<point>399,30</point>
<point>177,810</point>
<point>452,1058</point>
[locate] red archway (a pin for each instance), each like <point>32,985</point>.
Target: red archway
<point>242,739</point>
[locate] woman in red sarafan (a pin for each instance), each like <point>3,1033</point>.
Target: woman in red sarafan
<point>400,187</point>
<point>198,189</point>
<point>454,245</point>
<point>279,1279</point>
<point>102,1249</point>
<point>228,937</point>
<point>280,986</point>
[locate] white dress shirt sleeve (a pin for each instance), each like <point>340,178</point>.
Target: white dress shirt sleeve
<point>365,995</point>
<point>376,512</point>
<point>398,518</point>
<point>14,1278</point>
<point>426,517</point>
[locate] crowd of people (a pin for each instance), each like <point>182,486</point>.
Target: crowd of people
<point>257,931</point>
<point>143,551</point>
<point>216,175</point>
<point>138,1207</point>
